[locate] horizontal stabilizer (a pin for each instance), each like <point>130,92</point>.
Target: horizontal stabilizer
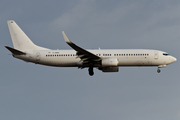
<point>14,51</point>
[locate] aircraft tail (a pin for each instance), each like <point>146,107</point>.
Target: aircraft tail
<point>20,40</point>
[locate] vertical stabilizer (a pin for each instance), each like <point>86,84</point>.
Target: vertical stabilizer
<point>20,40</point>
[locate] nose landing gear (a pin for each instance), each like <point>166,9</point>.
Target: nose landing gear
<point>160,66</point>
<point>158,70</point>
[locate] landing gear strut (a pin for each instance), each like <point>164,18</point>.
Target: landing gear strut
<point>158,70</point>
<point>91,72</point>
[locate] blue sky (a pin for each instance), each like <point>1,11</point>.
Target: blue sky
<point>29,91</point>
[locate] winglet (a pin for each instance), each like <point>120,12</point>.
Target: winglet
<point>66,38</point>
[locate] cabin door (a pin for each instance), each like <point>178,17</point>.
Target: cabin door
<point>156,55</point>
<point>38,56</point>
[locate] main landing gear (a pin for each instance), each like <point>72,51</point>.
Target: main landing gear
<point>91,72</point>
<point>158,70</point>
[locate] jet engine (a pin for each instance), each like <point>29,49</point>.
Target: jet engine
<point>109,69</point>
<point>109,62</point>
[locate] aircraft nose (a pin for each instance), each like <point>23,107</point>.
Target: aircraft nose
<point>173,59</point>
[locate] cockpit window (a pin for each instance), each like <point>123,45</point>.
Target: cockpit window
<point>165,54</point>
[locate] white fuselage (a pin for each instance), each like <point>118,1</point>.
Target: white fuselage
<point>126,57</point>
<point>107,60</point>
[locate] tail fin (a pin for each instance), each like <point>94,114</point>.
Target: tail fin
<point>20,40</point>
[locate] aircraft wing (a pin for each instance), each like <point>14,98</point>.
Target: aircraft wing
<point>85,56</point>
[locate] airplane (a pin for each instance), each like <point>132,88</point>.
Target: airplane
<point>106,60</point>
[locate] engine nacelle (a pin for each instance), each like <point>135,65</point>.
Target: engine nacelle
<point>110,62</point>
<point>110,69</point>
